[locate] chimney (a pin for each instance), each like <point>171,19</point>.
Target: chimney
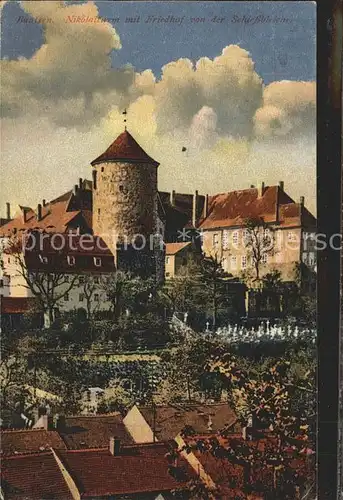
<point>94,178</point>
<point>115,446</point>
<point>194,209</point>
<point>80,183</point>
<point>209,424</point>
<point>261,190</point>
<point>25,210</point>
<point>47,422</point>
<point>8,211</point>
<point>39,212</point>
<point>206,206</point>
<point>282,185</point>
<point>44,203</point>
<point>60,422</point>
<point>302,200</point>
<point>172,198</point>
<point>76,188</point>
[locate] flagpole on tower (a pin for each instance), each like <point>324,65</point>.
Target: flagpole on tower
<point>124,113</point>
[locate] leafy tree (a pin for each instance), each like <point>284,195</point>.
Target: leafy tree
<point>272,398</point>
<point>212,279</point>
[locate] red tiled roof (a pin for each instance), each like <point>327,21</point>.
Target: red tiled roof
<point>55,219</point>
<point>221,470</point>
<point>137,469</point>
<point>124,148</point>
<point>28,441</point>
<point>17,305</point>
<point>94,431</point>
<point>33,477</point>
<point>232,209</point>
<point>170,420</point>
<point>174,248</point>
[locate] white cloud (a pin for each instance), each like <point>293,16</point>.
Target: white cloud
<point>65,104</point>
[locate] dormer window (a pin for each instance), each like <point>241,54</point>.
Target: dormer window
<point>71,260</point>
<point>97,261</point>
<point>43,259</point>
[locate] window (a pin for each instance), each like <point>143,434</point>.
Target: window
<point>266,232</point>
<point>292,236</point>
<point>167,275</point>
<point>81,279</point>
<point>233,262</point>
<point>81,297</point>
<point>224,264</point>
<point>98,211</point>
<point>215,240</point>
<point>264,258</point>
<point>1,283</point>
<point>43,259</point>
<point>311,259</point>
<point>225,240</point>
<point>97,261</point>
<point>9,260</point>
<point>66,297</point>
<point>305,258</point>
<point>244,261</point>
<point>167,260</point>
<point>245,236</point>
<point>96,297</point>
<point>66,279</point>
<point>102,169</point>
<point>235,238</point>
<point>121,188</point>
<point>71,260</point>
<point>96,279</point>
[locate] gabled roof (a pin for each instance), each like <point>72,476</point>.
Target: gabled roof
<point>31,477</point>
<point>93,431</point>
<point>137,469</point>
<point>274,206</point>
<point>228,474</point>
<point>171,419</point>
<point>174,248</point>
<point>29,441</point>
<point>124,149</point>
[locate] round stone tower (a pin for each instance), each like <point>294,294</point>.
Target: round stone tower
<point>124,194</point>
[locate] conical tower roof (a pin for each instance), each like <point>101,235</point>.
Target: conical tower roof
<point>124,149</point>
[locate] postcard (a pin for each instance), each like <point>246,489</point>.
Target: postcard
<point>159,241</point>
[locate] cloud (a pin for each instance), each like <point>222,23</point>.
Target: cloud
<point>66,103</point>
<point>69,78</point>
<point>202,132</point>
<point>289,110</point>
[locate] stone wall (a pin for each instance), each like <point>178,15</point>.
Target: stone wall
<point>124,202</point>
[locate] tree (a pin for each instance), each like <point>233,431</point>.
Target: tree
<point>273,398</point>
<point>90,285</point>
<point>212,279</point>
<point>48,286</point>
<point>183,293</point>
<point>259,242</point>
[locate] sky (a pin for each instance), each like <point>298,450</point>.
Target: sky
<point>233,82</point>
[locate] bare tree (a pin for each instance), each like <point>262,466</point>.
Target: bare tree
<point>91,286</point>
<point>259,242</point>
<point>48,286</point>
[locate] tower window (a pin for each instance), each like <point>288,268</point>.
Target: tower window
<point>71,260</point>
<point>102,169</point>
<point>98,211</point>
